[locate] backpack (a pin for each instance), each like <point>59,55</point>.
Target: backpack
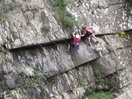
<point>88,30</point>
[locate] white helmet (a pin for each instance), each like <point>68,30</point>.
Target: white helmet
<point>77,36</point>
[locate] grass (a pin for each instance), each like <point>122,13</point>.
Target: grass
<point>102,91</point>
<point>59,3</point>
<point>100,95</point>
<point>62,15</point>
<point>68,21</point>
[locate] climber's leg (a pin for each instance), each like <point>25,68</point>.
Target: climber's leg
<point>94,38</point>
<point>89,41</point>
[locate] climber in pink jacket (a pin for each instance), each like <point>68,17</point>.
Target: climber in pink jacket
<point>76,40</point>
<point>89,34</point>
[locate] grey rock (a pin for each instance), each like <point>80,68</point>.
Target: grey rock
<point>10,82</point>
<point>34,37</point>
<point>127,95</point>
<point>35,23</point>
<point>112,62</point>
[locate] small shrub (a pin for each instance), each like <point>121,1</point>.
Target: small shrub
<point>39,75</point>
<point>62,15</point>
<point>98,79</point>
<point>18,89</point>
<point>68,21</point>
<point>127,36</point>
<point>3,50</point>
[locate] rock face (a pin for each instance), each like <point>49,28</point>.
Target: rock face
<point>34,23</point>
<point>34,63</point>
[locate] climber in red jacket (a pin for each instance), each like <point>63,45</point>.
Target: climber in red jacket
<point>89,34</point>
<point>76,40</point>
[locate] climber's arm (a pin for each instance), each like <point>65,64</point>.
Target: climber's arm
<point>73,34</point>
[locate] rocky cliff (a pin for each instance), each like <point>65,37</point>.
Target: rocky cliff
<point>34,63</point>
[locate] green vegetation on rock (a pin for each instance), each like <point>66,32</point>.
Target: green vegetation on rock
<point>62,15</point>
<point>101,95</point>
<point>7,7</point>
<point>30,81</point>
<point>130,35</point>
<point>101,90</point>
<point>127,36</point>
<point>99,81</point>
<point>3,50</point>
